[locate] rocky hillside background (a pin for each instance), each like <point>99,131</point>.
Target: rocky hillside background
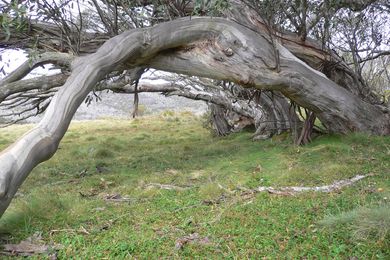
<point>113,105</point>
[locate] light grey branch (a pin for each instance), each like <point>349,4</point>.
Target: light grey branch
<point>58,58</point>
<point>38,83</point>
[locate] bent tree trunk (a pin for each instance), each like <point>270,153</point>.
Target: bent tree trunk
<point>209,47</point>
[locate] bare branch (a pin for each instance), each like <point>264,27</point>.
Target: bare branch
<point>373,57</point>
<point>38,83</point>
<point>62,59</point>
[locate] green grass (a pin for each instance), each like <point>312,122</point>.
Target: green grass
<point>123,157</point>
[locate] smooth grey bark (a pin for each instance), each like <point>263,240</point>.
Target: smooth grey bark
<point>41,83</point>
<point>209,47</point>
<point>338,109</point>
<point>311,51</point>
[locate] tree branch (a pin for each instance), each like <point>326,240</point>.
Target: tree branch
<point>38,83</point>
<point>62,59</point>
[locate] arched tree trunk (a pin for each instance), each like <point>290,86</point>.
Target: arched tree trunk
<point>209,47</point>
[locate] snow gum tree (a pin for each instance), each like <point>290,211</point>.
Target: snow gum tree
<point>263,60</point>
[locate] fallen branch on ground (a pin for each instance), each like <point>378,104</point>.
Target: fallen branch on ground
<point>327,188</point>
<point>289,190</point>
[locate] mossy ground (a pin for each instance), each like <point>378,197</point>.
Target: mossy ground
<point>64,197</point>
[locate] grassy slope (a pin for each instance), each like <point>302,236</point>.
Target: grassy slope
<point>175,149</point>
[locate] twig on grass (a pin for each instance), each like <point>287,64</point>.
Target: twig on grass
<point>165,186</point>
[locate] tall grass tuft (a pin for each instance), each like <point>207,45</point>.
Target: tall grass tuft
<point>364,223</point>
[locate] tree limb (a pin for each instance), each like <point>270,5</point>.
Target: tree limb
<point>62,59</point>
<point>38,83</point>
